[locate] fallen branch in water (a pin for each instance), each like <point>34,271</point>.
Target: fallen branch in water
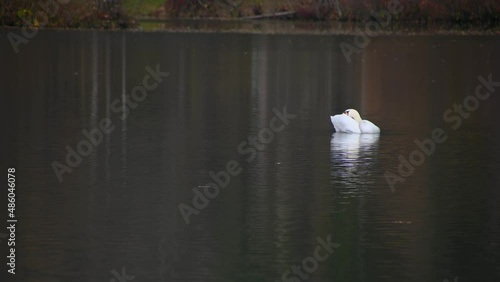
<point>269,16</point>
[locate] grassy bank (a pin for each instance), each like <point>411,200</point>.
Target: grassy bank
<point>65,13</point>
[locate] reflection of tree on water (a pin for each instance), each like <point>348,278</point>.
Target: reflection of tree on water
<point>353,156</point>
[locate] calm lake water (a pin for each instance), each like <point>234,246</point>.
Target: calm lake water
<point>118,210</point>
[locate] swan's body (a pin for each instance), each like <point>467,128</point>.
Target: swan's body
<point>350,122</point>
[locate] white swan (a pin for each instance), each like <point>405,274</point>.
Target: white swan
<point>350,122</point>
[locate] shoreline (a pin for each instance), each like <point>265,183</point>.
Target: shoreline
<point>280,27</point>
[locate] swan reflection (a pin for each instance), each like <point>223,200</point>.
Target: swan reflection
<point>353,155</point>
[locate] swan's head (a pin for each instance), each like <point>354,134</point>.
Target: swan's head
<point>353,114</point>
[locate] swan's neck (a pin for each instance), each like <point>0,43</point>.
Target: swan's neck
<point>355,115</point>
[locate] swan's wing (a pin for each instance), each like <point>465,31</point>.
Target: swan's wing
<point>343,123</point>
<point>368,127</point>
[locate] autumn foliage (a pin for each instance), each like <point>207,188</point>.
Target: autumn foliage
<point>111,14</point>
<point>341,10</point>
<point>64,13</point>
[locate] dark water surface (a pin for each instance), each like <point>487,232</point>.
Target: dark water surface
<point>118,208</point>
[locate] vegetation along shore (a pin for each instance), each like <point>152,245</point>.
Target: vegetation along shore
<point>115,14</point>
